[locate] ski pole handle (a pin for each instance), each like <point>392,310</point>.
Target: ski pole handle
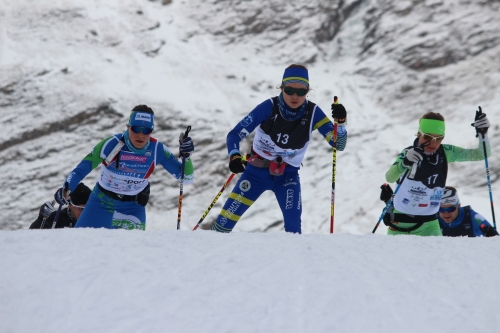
<point>57,216</point>
<point>183,136</point>
<point>186,134</point>
<point>179,211</point>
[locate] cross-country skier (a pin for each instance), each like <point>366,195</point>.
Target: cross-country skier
<point>283,126</point>
<point>68,216</point>
<point>454,219</point>
<point>417,200</point>
<point>122,192</point>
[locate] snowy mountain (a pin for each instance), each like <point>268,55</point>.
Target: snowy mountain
<point>70,71</point>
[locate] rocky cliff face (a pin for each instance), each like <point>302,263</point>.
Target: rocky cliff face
<point>70,72</point>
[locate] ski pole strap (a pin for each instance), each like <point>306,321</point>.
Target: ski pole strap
<point>395,227</point>
<point>414,218</point>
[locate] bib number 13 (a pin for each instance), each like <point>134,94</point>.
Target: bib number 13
<point>283,138</point>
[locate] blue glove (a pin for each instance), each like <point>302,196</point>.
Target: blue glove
<point>61,195</point>
<point>186,147</point>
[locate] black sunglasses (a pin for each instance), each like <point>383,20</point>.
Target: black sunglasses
<point>299,91</point>
<point>140,129</point>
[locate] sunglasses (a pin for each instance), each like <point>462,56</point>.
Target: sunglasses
<point>299,91</point>
<point>77,207</point>
<point>448,209</point>
<point>428,137</point>
<point>140,129</point>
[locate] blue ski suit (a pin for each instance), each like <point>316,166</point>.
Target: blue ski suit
<point>275,136</point>
<point>118,199</point>
<point>468,223</point>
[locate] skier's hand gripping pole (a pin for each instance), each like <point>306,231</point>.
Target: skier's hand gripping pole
<point>179,211</point>
<point>481,124</point>
<point>334,167</point>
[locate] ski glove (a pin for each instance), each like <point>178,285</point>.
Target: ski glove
<point>488,230</point>
<point>186,147</point>
<point>481,122</point>
<point>386,193</point>
<point>236,164</point>
<point>339,112</point>
<point>46,209</point>
<point>389,216</point>
<point>61,196</point>
<point>413,155</point>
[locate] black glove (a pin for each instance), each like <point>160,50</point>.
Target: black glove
<point>61,194</point>
<point>339,113</point>
<point>481,122</point>
<point>46,209</point>
<point>235,163</point>
<point>413,155</point>
<point>488,230</point>
<point>389,216</point>
<point>386,193</point>
<point>387,219</point>
<point>186,147</point>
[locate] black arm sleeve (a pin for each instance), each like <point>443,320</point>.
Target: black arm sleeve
<point>37,223</point>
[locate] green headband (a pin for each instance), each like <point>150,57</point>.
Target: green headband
<point>432,126</point>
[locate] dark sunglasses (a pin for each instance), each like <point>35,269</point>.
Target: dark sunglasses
<point>448,209</point>
<point>140,129</point>
<point>299,91</point>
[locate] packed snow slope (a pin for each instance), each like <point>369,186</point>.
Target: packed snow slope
<point>96,280</point>
<point>70,72</point>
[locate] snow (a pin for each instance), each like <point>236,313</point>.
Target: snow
<point>71,70</point>
<point>100,280</point>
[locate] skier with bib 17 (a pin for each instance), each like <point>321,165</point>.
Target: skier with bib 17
<point>127,161</point>
<point>283,126</point>
<point>418,199</point>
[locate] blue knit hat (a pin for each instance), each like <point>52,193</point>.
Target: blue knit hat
<point>297,75</point>
<point>143,119</point>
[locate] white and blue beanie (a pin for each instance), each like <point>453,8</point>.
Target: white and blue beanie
<point>142,119</point>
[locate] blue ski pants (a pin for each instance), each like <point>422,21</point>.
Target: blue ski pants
<point>103,211</point>
<point>252,183</point>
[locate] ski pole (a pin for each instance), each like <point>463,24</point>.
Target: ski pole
<point>411,176</point>
<point>334,167</point>
<point>57,216</point>
<point>389,203</point>
<point>214,201</point>
<point>181,138</point>
<point>488,178</point>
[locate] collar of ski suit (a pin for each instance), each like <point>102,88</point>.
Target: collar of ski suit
<point>287,112</point>
<point>131,146</point>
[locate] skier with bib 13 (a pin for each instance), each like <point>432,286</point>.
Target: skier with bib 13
<point>283,126</point>
<point>127,161</point>
<point>418,199</point>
